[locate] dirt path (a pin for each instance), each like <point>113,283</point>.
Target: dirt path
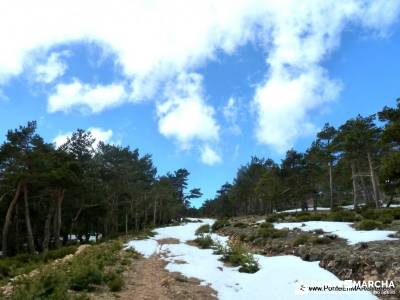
<point>147,279</point>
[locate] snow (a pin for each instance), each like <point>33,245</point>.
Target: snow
<point>394,205</point>
<point>145,247</point>
<point>310,209</point>
<point>341,229</point>
<point>279,277</point>
<point>300,210</point>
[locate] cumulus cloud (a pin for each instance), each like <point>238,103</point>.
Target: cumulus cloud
<point>209,156</point>
<point>99,134</point>
<point>85,97</point>
<point>185,116</point>
<point>52,69</point>
<point>151,39</point>
<point>231,113</point>
<point>283,104</point>
<point>154,42</point>
<point>303,34</point>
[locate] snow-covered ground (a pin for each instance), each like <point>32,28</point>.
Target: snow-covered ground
<point>299,210</point>
<point>311,209</point>
<point>341,229</point>
<point>279,277</point>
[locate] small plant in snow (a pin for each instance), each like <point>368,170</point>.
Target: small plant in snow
<point>237,254</point>
<point>219,248</point>
<point>203,229</point>
<point>204,241</point>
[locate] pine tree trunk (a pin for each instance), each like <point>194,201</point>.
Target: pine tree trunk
<point>58,217</point>
<point>160,209</point>
<point>331,185</point>
<point>353,176</point>
<point>2,197</point>
<point>373,180</point>
<point>364,191</point>
<point>155,213</point>
<point>126,222</point>
<point>7,222</point>
<point>390,200</point>
<point>46,231</point>
<point>31,243</point>
<point>136,221</point>
<point>17,227</point>
<point>315,202</point>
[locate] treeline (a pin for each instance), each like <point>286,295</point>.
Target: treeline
<point>359,162</point>
<point>50,195</point>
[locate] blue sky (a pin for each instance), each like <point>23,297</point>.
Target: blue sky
<point>204,95</point>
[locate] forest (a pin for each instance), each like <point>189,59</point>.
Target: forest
<point>356,164</point>
<point>80,190</point>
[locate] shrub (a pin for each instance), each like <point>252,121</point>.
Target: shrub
<point>58,253</point>
<point>267,232</point>
<point>114,281</point>
<point>321,240</point>
<point>219,248</point>
<point>240,225</point>
<point>368,225</point>
<point>369,214</point>
<point>271,218</point>
<point>219,224</point>
<point>342,216</point>
<point>386,218</point>
<point>303,217</point>
<point>237,254</point>
<point>395,212</point>
<point>203,229</point>
<point>204,241</point>
<point>49,284</point>
<point>24,263</point>
<point>267,225</point>
<point>84,276</point>
<point>301,240</point>
<point>81,273</point>
<point>248,263</point>
<point>337,208</point>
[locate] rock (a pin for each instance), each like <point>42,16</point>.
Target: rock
<point>361,246</point>
<point>379,264</point>
<point>314,254</point>
<point>346,273</point>
<point>331,265</point>
<point>331,236</point>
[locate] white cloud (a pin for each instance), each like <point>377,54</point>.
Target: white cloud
<point>52,69</point>
<point>99,134</point>
<point>283,104</point>
<point>85,97</point>
<point>209,156</point>
<point>304,34</point>
<point>185,116</point>
<point>156,41</point>
<point>61,139</point>
<point>151,39</point>
<point>231,113</point>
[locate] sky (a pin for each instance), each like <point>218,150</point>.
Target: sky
<point>201,85</point>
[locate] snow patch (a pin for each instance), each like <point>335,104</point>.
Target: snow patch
<point>278,277</point>
<point>341,229</point>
